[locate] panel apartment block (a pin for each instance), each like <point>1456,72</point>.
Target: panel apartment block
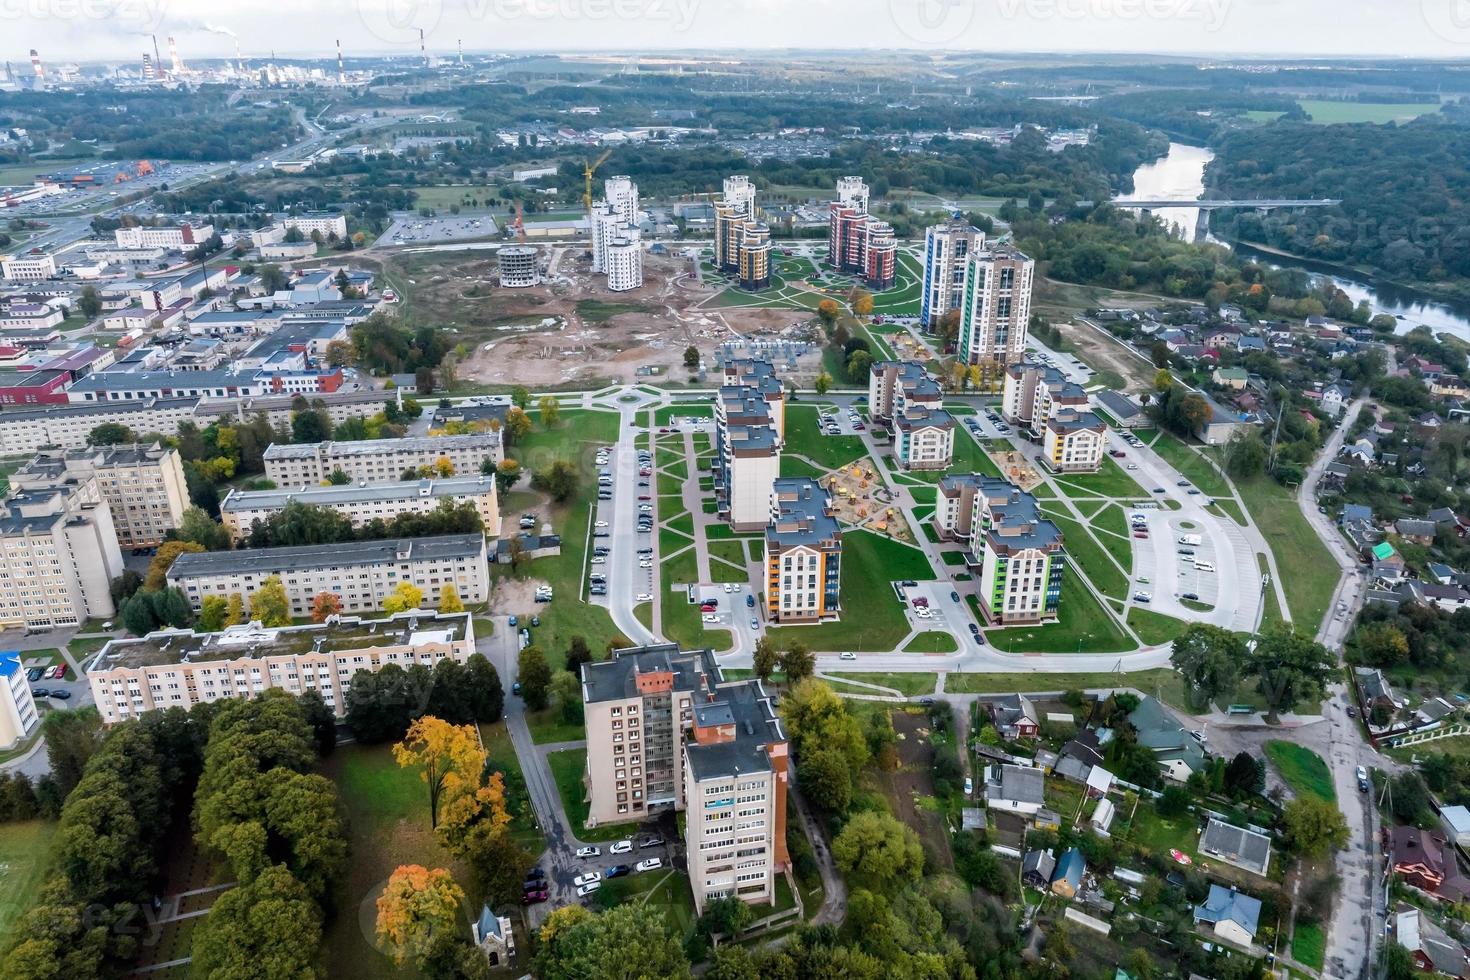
<point>378,460</point>
<point>143,486</point>
<point>58,556</point>
<point>364,502</point>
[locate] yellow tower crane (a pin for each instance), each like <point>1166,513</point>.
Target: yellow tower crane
<point>588,169</point>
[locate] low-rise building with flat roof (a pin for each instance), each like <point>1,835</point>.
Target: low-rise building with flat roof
<point>360,573</point>
<point>379,460</point>
<point>180,668</point>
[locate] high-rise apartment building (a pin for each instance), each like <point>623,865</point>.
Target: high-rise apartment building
<point>852,191</point>
<point>364,502</point>
<point>750,420</point>
<point>378,460</point>
<point>58,556</point>
<point>803,553</point>
<point>624,260</point>
<point>360,573</point>
<point>518,266</point>
<point>947,249</point>
<point>742,241</point>
<point>1018,552</point>
<point>666,732</point>
<point>621,194</point>
<point>862,245</point>
<point>995,312</point>
<point>753,260</point>
<point>739,193</point>
<point>1034,394</point>
<point>18,714</point>
<point>143,486</point>
<point>180,668</point>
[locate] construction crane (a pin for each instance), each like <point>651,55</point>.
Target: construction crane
<point>520,224</point>
<point>588,169</point>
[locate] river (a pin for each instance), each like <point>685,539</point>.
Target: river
<point>1181,175</point>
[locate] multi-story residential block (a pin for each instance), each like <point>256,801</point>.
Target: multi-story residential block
<point>58,556</point>
<point>759,375</point>
<point>803,553</point>
<point>625,260</point>
<point>142,485</point>
<point>622,195</point>
<point>852,191</point>
<point>995,313</point>
<point>742,240</point>
<point>361,573</point>
<point>365,502</point>
<point>857,242</point>
<point>747,457</point>
<point>1074,442</point>
<point>326,223</point>
<point>1019,552</point>
<point>180,668</point>
<point>378,460</point>
<point>176,237</point>
<point>605,223</point>
<point>25,430</point>
<point>518,266</point>
<point>1033,394</point>
<point>923,439</point>
<point>947,249</point>
<point>753,261</point>
<point>666,732</point>
<point>738,192</point>
<point>18,715</point>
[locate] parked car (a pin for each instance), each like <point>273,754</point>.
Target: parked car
<point>652,840</point>
<point>61,695</point>
<point>39,692</point>
<point>621,847</point>
<point>848,655</point>
<point>35,674</point>
<point>536,874</point>
<point>584,890</point>
<point>954,597</point>
<point>650,864</point>
<point>1363,783</point>
<point>589,852</point>
<point>617,871</point>
<point>513,621</point>
<point>587,878</point>
<point>534,897</point>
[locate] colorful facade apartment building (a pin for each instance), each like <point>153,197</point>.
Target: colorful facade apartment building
<point>995,314</point>
<point>1018,553</point>
<point>803,554</point>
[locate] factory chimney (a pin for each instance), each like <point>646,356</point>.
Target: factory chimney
<point>37,69</point>
<point>461,52</point>
<point>423,51</point>
<point>148,74</point>
<point>341,74</point>
<point>173,56</point>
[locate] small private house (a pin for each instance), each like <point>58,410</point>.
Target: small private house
<point>1422,859</point>
<point>1014,716</point>
<point>1234,916</point>
<point>1037,868</point>
<point>1433,949</point>
<point>1245,849</point>
<point>1066,879</point>
<point>1016,789</point>
<point>1178,752</point>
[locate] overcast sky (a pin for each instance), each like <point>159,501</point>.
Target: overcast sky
<point>111,29</point>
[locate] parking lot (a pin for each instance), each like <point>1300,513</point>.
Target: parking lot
<point>622,528</point>
<point>409,229</point>
<point>843,422</point>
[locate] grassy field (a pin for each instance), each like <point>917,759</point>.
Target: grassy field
<point>1327,113</point>
<point>1084,626</point>
<point>1191,465</point>
<point>24,857</point>
<point>1155,628</point>
<point>932,641</point>
<point>1301,769</point>
<point>1162,682</point>
<point>1084,549</point>
<point>440,198</point>
<point>1110,481</point>
<point>872,617</point>
<point>804,438</point>
<point>1309,573</point>
<point>1309,945</point>
<point>910,685</point>
<point>574,440</point>
<point>500,755</point>
<point>389,826</point>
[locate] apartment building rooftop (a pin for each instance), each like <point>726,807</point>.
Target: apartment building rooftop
<point>273,560</point>
<point>254,641</point>
<point>1074,422</point>
<point>448,488</point>
<point>54,464</point>
<point>373,447</point>
<point>1016,519</point>
<point>30,511</point>
<point>911,375</point>
<point>803,514</point>
<point>60,411</point>
<point>919,417</point>
<point>749,438</point>
<point>632,670</point>
<point>744,403</point>
<point>732,732</point>
<point>754,372</point>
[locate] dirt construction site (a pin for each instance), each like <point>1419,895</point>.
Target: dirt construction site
<point>570,329</point>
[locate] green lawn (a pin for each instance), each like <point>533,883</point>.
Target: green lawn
<point>665,415</point>
<point>1084,626</point>
<point>1092,557</point>
<point>1309,573</point>
<point>1301,769</point>
<point>932,641</point>
<point>547,727</point>
<point>24,857</point>
<point>500,755</point>
<point>600,311</point>
<point>791,466</point>
<point>1191,465</point>
<point>909,685</point>
<point>1160,681</point>
<point>666,890</point>
<point>1326,112</point>
<point>681,619</point>
<point>1155,628</point>
<point>872,616</point>
<point>1309,945</point>
<point>567,768</point>
<point>1110,481</point>
<point>389,826</point>
<point>732,551</point>
<point>804,438</point>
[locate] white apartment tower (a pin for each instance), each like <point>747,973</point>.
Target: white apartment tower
<point>852,191</point>
<point>143,486</point>
<point>739,193</point>
<point>58,556</point>
<point>947,249</point>
<point>996,308</point>
<point>621,195</point>
<point>625,260</point>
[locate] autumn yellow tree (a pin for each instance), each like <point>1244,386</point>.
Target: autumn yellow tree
<point>269,604</point>
<point>862,303</point>
<point>449,600</point>
<point>156,580</point>
<point>443,467</point>
<point>828,310</point>
<point>416,909</point>
<point>449,756</point>
<point>470,816</point>
<point>407,596</point>
<point>235,610</point>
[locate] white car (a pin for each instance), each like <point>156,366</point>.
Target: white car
<point>1142,597</point>
<point>709,618</point>
<point>599,560</point>
<point>645,596</point>
<point>755,624</point>
<point>847,655</point>
<point>651,864</point>
<point>589,852</point>
<point>584,890</point>
<point>729,588</point>
<point>587,878</point>
<point>621,847</point>
<point>600,524</point>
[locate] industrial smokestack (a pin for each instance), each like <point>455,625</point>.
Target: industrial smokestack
<point>423,51</point>
<point>239,59</point>
<point>461,52</point>
<point>36,67</point>
<point>341,74</point>
<point>173,56</point>
<point>148,73</point>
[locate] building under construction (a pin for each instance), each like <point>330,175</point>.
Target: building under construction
<point>519,266</point>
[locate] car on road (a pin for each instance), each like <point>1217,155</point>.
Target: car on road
<point>650,864</point>
<point>1133,466</point>
<point>621,847</point>
<point>652,840</point>
<point>920,602</point>
<point>975,632</point>
<point>535,874</point>
<point>587,878</point>
<point>617,871</point>
<point>644,597</point>
<point>589,852</point>
<point>847,655</point>
<point>61,695</point>
<point>39,692</point>
<point>969,786</point>
<point>1363,783</point>
<point>600,524</point>
<point>926,702</point>
<point>954,597</point>
<point>1117,453</point>
<point>1158,489</point>
<point>598,560</point>
<point>584,890</point>
<point>513,621</point>
<point>708,618</point>
<point>750,602</point>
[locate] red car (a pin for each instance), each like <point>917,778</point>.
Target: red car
<point>1118,453</point>
<point>531,898</point>
<point>1139,534</point>
<point>645,471</point>
<point>708,608</point>
<point>644,496</point>
<point>57,672</point>
<point>920,602</point>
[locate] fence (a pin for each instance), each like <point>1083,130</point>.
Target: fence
<point>1416,738</point>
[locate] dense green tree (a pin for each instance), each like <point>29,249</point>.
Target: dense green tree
<point>71,739</point>
<point>534,675</point>
<point>559,480</point>
<point>111,434</point>
<point>487,696</point>
<point>630,942</point>
<point>1290,667</point>
<point>1313,827</point>
<point>1209,660</point>
<point>265,929</point>
<point>878,851</point>
<point>825,779</point>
